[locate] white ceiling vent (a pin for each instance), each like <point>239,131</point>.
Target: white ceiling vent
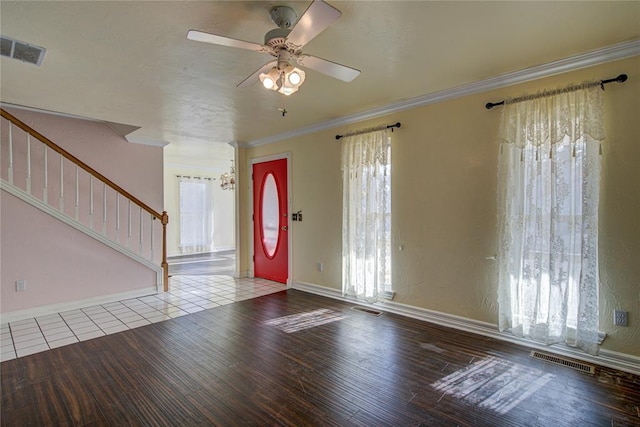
<point>21,51</point>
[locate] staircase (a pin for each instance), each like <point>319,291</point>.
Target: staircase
<point>44,175</point>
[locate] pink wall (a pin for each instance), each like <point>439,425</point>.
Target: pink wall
<point>60,263</point>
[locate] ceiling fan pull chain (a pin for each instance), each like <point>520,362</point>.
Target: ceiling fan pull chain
<point>283,110</point>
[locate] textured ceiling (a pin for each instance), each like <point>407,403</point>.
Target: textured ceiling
<point>130,62</point>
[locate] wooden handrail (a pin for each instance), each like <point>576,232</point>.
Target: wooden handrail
<point>78,162</point>
<point>163,217</point>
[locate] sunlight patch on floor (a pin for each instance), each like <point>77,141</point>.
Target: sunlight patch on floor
<point>494,384</point>
<point>301,321</point>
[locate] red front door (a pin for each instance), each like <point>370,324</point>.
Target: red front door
<point>270,220</point>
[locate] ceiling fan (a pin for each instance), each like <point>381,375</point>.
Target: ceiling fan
<point>285,44</point>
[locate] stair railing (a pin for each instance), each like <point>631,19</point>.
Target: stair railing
<point>87,212</point>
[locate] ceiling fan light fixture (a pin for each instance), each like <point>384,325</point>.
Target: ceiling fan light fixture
<point>293,79</point>
<point>288,90</point>
<point>267,82</point>
<point>271,79</point>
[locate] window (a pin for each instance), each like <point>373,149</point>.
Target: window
<point>366,235</point>
<point>196,215</point>
<point>549,177</point>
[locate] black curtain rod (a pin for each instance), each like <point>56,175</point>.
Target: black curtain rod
<point>620,79</point>
<point>358,132</point>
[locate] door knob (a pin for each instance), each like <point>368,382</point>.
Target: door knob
<point>285,228</point>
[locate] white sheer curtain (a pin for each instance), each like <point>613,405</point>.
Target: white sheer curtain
<point>548,189</point>
<point>366,218</point>
<point>196,215</point>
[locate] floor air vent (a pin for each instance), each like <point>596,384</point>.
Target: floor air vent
<point>21,51</point>
<point>582,367</point>
<point>366,310</point>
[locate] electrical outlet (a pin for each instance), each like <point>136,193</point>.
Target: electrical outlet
<point>620,318</point>
<point>319,266</point>
<point>21,285</point>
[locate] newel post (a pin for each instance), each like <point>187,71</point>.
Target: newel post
<point>165,265</point>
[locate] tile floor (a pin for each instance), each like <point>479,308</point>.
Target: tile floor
<point>187,294</point>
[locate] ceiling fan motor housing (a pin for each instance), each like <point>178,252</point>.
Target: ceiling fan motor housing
<point>284,59</point>
<point>276,39</point>
<point>283,16</point>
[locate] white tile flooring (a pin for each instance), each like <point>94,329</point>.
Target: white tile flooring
<point>187,294</point>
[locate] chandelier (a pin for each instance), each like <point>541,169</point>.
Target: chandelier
<point>228,179</point>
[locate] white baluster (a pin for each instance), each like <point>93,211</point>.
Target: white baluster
<point>91,201</point>
<point>46,177</point>
<point>61,183</point>
<point>77,193</point>
<point>28,164</point>
<point>129,226</point>
<point>10,154</point>
<point>118,217</point>
<point>141,227</point>
<point>104,208</point>
<point>151,235</point>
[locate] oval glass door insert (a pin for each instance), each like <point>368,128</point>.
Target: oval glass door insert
<point>270,215</point>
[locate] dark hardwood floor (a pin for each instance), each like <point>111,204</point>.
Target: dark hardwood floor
<point>235,365</point>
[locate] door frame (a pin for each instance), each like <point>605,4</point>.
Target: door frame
<point>287,156</point>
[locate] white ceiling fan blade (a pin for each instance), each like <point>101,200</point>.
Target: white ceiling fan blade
<point>318,16</point>
<point>199,36</point>
<point>333,69</point>
<point>255,76</point>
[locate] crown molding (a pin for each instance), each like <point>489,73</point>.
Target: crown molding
<point>143,140</point>
<point>584,60</point>
<point>49,112</point>
<point>124,130</point>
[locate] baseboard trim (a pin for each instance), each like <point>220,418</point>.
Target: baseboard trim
<point>610,359</point>
<point>241,274</point>
<point>45,310</point>
<point>319,290</point>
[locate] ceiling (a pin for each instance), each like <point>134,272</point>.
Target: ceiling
<point>129,62</point>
